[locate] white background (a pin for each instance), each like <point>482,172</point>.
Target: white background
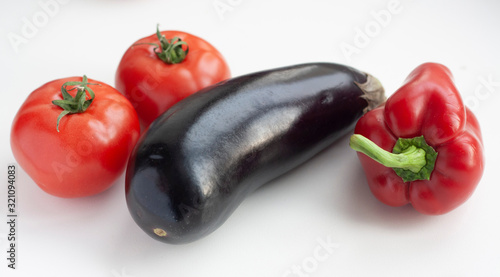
<point>280,227</point>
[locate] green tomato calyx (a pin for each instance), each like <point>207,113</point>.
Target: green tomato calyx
<point>77,104</point>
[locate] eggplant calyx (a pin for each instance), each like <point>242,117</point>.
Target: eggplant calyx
<point>373,92</point>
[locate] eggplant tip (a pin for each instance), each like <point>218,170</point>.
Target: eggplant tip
<point>160,232</point>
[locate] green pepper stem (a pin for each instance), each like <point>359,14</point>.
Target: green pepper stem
<point>412,158</point>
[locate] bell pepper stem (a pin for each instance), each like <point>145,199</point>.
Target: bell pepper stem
<point>412,158</point>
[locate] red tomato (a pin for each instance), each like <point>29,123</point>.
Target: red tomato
<point>153,85</point>
<point>91,148</point>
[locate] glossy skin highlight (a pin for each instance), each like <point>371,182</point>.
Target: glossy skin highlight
<point>89,152</point>
<point>199,160</point>
<point>153,86</point>
<point>427,104</point>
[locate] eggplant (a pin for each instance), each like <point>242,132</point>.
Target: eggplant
<point>198,161</point>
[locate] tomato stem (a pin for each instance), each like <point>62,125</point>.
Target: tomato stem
<point>169,50</point>
<point>77,104</point>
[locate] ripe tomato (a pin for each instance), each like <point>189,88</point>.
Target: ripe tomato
<point>81,153</point>
<point>158,71</point>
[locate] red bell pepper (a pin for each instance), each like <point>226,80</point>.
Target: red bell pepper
<point>423,146</point>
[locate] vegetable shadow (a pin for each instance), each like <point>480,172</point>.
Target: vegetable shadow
<point>365,207</point>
